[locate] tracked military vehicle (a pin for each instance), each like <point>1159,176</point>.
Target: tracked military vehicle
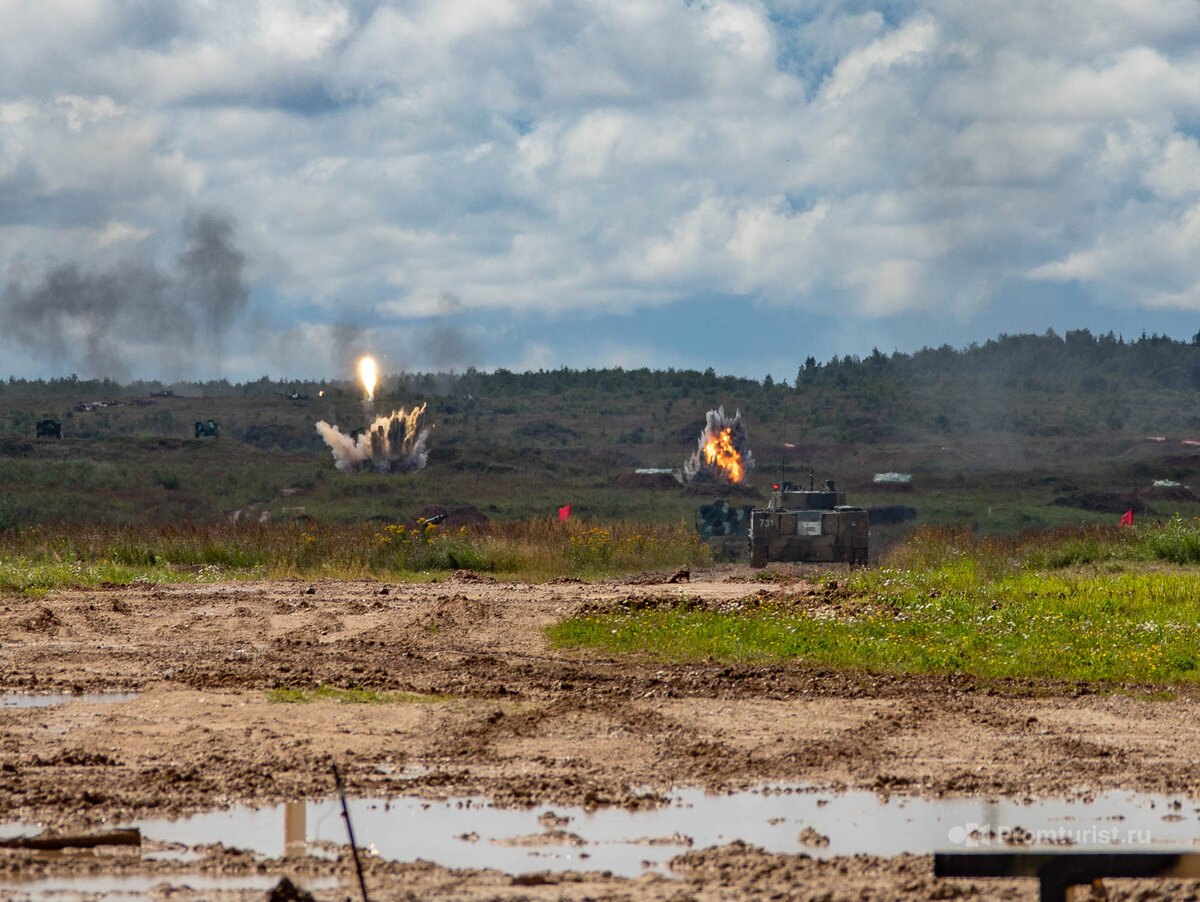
<point>808,525</point>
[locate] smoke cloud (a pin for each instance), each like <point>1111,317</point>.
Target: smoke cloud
<point>393,444</point>
<point>97,321</point>
<point>348,343</point>
<point>210,273</point>
<point>723,455</point>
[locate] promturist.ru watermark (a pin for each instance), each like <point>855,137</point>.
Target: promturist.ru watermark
<point>973,835</point>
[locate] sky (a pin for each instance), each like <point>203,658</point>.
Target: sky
<point>240,188</point>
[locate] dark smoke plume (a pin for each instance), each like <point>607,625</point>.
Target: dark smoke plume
<point>723,455</point>
<point>348,343</point>
<point>393,444</point>
<point>100,320</point>
<point>210,273</point>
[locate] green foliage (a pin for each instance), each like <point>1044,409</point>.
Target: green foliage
<point>398,548</point>
<point>593,551</point>
<point>169,481</point>
<point>1178,541</point>
<point>1090,604</point>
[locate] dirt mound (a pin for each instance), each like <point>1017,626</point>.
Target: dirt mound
<point>754,601</point>
<point>892,513</point>
<point>469,576</point>
<point>663,577</point>
<point>1189,462</point>
<point>1167,493</point>
<point>456,611</point>
<point>891,488</point>
<point>1103,502</point>
<point>452,517</point>
<point>647,481</point>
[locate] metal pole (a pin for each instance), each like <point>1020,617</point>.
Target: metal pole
<point>362,884</point>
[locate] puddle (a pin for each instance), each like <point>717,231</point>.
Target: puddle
<point>68,889</point>
<point>24,700</point>
<point>471,833</point>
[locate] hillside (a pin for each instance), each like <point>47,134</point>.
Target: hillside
<point>1021,432</point>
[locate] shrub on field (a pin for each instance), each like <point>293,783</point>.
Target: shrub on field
<point>1177,541</point>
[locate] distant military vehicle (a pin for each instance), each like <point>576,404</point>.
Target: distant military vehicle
<point>808,525</point>
<point>206,427</point>
<point>48,429</point>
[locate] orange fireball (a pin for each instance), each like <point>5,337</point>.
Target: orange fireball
<point>719,452</point>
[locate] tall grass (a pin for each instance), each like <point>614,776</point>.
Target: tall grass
<point>37,559</point>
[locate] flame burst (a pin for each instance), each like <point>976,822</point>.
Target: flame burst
<point>366,372</point>
<point>720,453</point>
<point>723,454</point>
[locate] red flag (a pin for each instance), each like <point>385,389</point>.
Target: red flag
<point>564,512</point>
<point>1127,520</point>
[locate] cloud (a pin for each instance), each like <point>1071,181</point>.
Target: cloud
<point>904,46</point>
<point>551,161</point>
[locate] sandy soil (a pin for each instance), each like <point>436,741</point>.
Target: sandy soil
<point>524,724</point>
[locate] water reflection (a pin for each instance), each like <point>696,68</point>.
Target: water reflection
<point>295,839</point>
<point>470,832</point>
<point>27,700</point>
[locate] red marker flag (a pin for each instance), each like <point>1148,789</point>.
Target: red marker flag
<point>1127,520</point>
<point>564,512</point>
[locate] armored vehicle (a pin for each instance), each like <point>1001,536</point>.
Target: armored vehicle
<point>808,525</point>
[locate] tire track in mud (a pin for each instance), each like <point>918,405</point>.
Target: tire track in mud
<point>526,725</point>
<point>531,723</point>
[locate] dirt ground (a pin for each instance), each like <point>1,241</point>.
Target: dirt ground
<point>523,724</point>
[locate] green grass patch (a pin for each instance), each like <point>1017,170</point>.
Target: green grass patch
<point>1039,607</point>
<point>352,696</point>
<point>32,578</point>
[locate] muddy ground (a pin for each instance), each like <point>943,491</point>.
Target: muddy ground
<point>522,724</point>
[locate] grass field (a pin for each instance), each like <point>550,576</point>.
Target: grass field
<point>1097,604</point>
<point>516,448</point>
<point>35,560</point>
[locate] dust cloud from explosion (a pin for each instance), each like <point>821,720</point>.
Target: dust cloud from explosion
<point>395,443</point>
<point>723,454</point>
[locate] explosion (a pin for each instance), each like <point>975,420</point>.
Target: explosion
<point>392,444</point>
<point>723,454</point>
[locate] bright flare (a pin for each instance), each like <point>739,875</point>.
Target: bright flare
<point>366,372</point>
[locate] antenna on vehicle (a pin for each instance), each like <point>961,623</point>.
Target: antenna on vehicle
<point>783,461</point>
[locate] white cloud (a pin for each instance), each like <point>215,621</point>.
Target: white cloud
<point>904,46</point>
<point>1176,174</point>
<point>559,157</point>
<point>535,356</point>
